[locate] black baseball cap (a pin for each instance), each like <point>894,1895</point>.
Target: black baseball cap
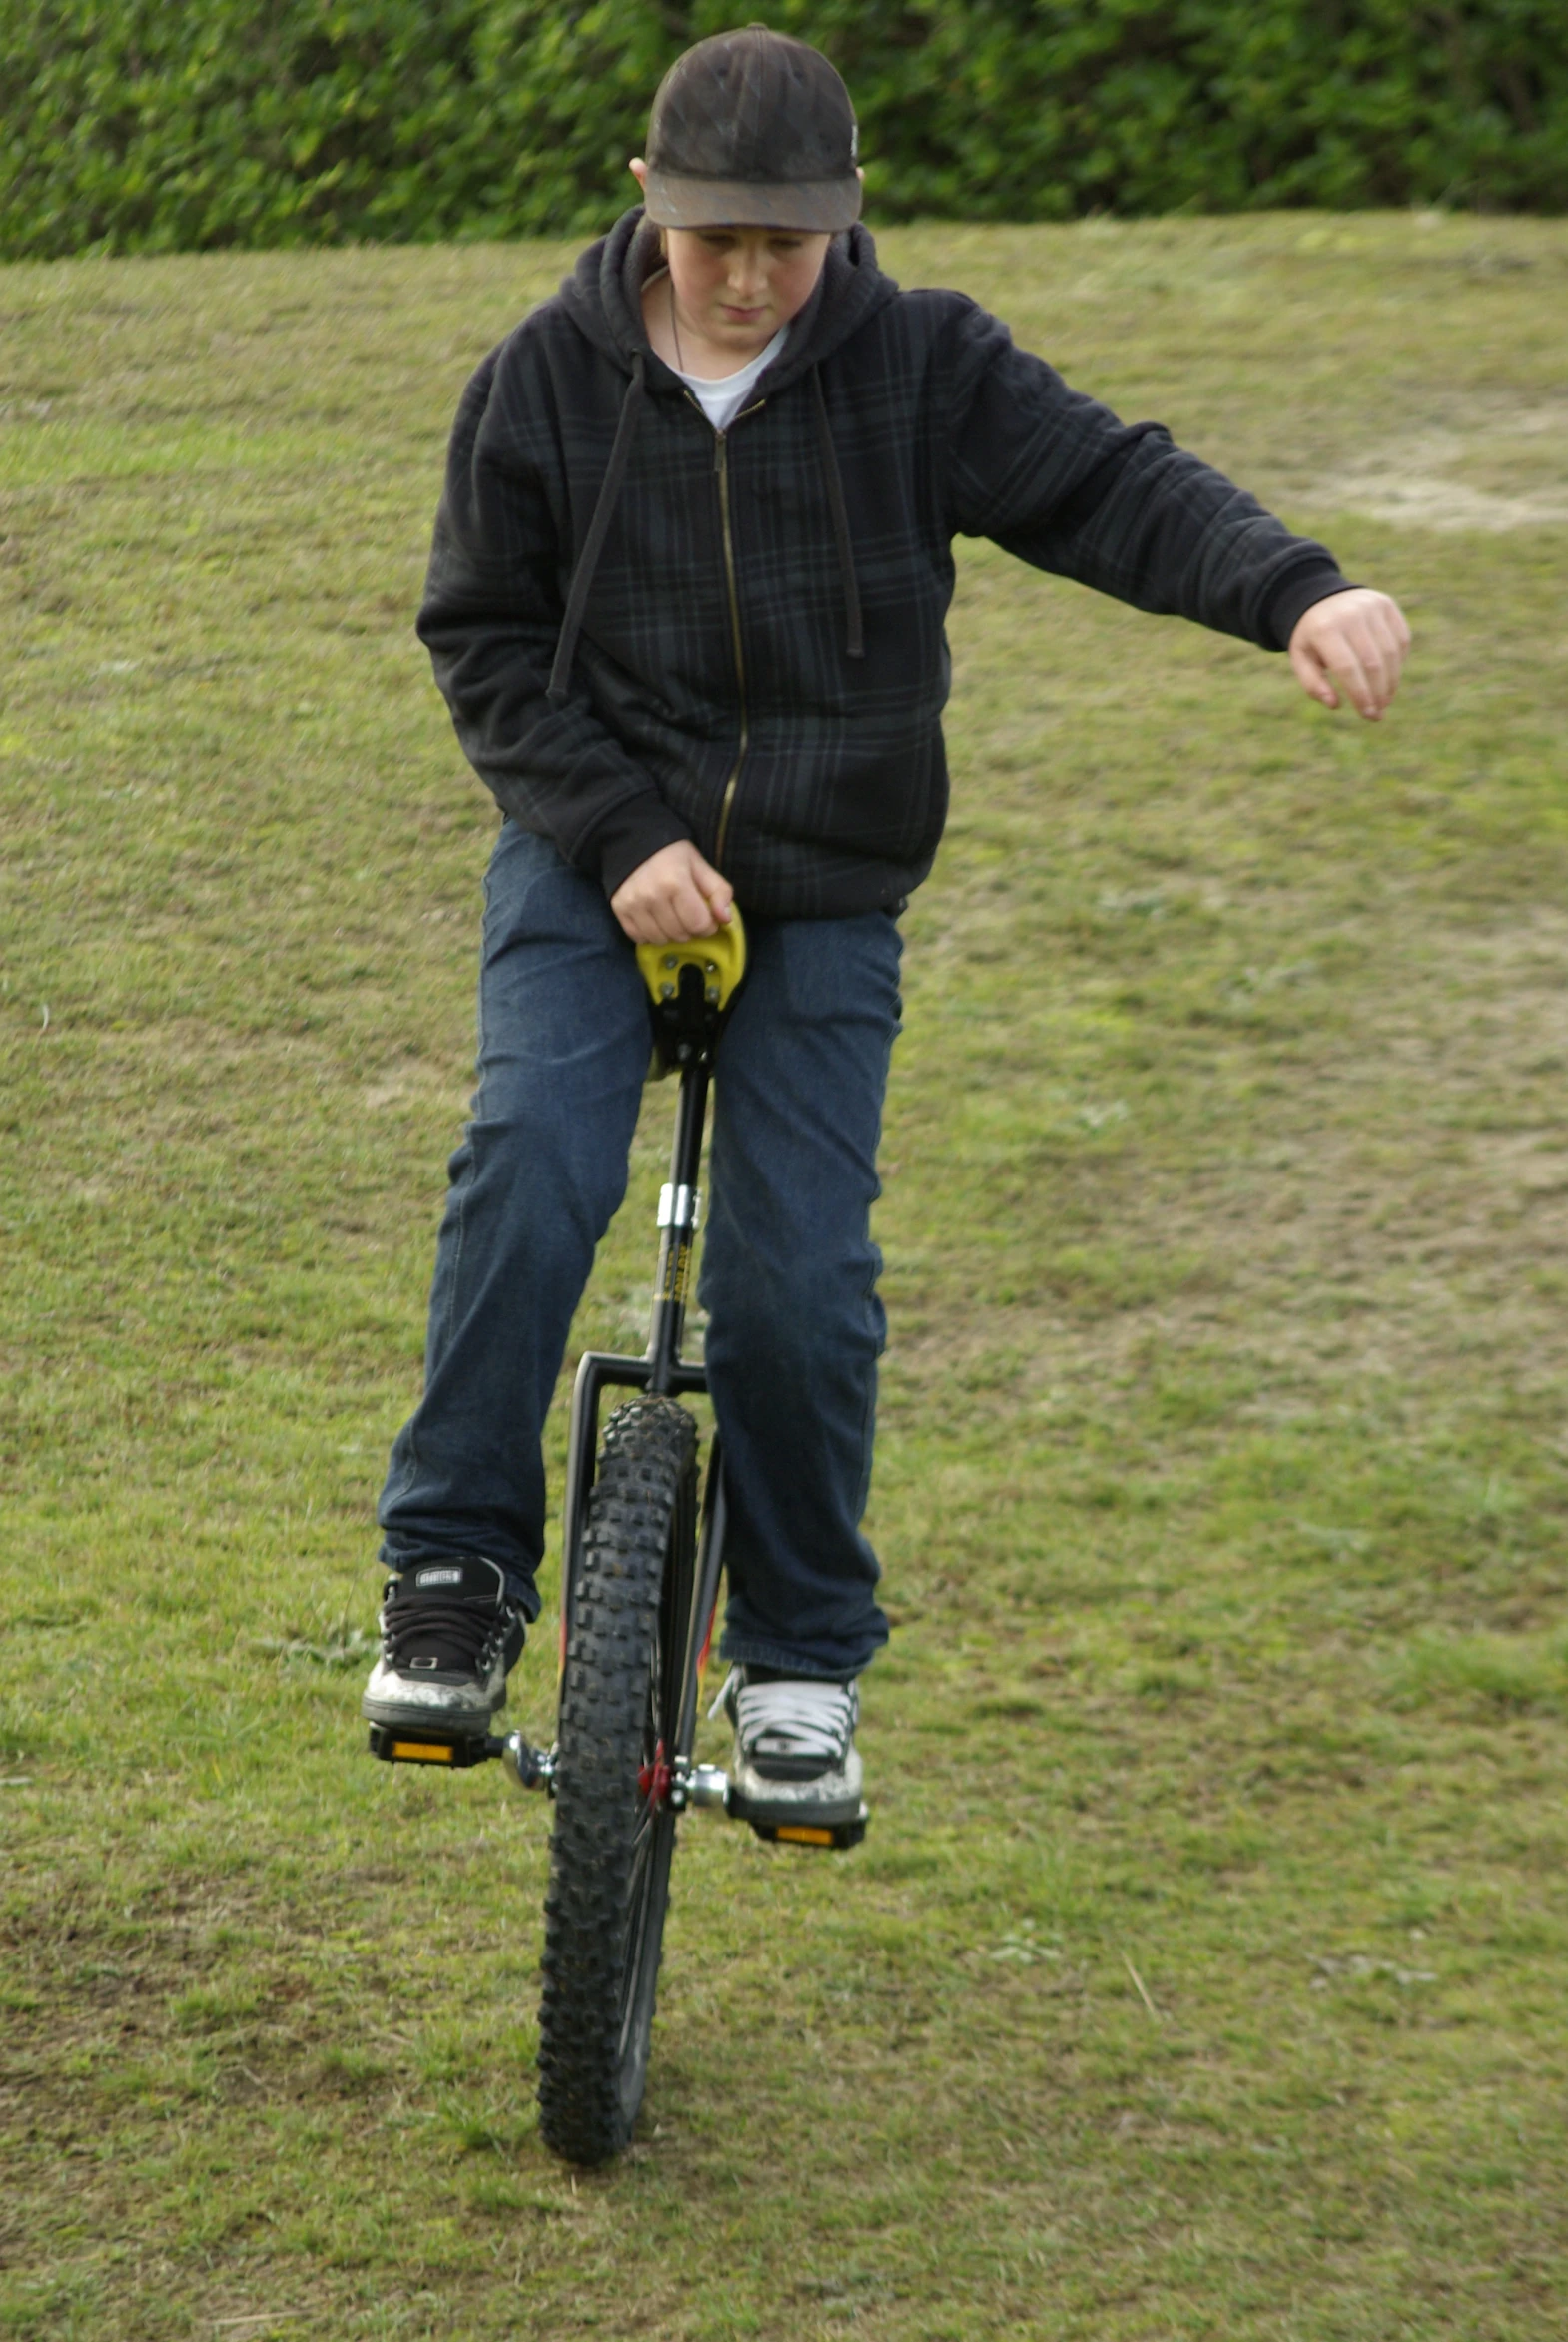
<point>752,130</point>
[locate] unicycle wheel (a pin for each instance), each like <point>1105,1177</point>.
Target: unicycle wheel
<point>614,1832</point>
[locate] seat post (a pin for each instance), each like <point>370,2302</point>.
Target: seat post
<point>680,1209</point>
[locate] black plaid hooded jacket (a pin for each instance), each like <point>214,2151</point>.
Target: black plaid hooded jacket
<point>646,630</point>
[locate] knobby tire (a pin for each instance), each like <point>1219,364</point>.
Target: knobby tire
<point>615,1834</point>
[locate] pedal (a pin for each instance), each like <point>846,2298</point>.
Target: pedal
<point>396,1745</point>
<point>525,1765</point>
<point>835,1835</point>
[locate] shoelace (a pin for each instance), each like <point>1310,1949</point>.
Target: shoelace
<point>799,1717</point>
<point>470,1626</point>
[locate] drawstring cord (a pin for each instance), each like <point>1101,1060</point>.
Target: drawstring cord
<point>854,633</point>
<point>598,530</point>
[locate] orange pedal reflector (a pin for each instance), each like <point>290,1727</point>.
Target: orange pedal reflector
<point>800,1834</point>
<point>422,1752</point>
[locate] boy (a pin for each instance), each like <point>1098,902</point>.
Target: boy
<point>686,604</point>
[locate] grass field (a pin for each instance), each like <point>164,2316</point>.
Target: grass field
<point>1203,1973</point>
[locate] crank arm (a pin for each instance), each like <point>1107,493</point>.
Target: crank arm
<point>696,1785</point>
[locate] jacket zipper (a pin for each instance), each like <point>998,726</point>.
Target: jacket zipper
<point>721,467</point>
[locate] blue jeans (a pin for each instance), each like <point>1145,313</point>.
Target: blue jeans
<point>789,1270</point>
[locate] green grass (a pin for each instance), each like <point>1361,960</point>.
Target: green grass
<point>1202,1974</point>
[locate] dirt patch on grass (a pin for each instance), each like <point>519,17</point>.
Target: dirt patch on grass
<point>1487,466</point>
<point>1411,497</point>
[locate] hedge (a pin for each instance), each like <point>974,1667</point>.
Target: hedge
<point>165,124</point>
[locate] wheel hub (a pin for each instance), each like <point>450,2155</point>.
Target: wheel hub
<point>654,1777</point>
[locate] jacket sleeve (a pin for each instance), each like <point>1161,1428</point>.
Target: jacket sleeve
<point>491,619</point>
<point>1057,480</point>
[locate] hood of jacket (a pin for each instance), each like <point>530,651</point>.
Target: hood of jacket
<point>603,298</point>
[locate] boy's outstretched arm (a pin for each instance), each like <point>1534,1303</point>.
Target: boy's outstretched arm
<point>1354,642</point>
<point>1056,478</point>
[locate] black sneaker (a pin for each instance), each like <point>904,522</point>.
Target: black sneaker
<point>449,1634</point>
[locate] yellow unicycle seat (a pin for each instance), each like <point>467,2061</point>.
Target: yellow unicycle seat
<point>720,959</point>
<point>690,986</point>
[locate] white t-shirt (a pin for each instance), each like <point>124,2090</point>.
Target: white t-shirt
<point>723,399</point>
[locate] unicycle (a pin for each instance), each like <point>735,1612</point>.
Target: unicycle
<point>642,1550</point>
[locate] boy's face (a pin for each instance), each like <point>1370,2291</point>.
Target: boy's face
<point>737,285</point>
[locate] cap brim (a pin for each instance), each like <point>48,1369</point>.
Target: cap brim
<point>801,206</point>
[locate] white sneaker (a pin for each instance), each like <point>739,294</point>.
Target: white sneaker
<point>795,1755</point>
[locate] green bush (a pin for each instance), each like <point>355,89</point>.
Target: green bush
<point>146,126</point>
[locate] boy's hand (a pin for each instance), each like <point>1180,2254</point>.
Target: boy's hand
<point>1357,640</point>
<point>672,896</point>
